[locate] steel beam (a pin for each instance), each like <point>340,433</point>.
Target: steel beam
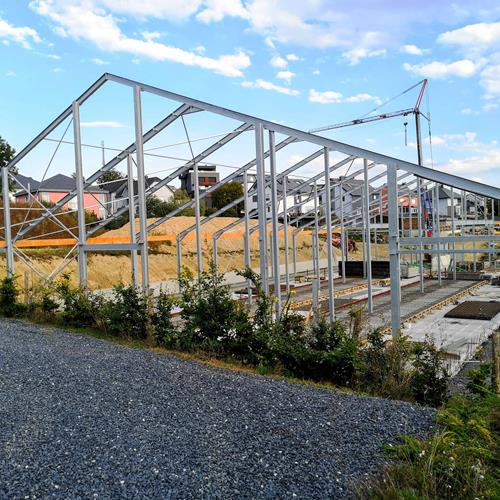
<point>109,166</point>
<point>419,170</point>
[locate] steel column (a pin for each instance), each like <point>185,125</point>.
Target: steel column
<point>285,233</point>
<point>82,257</point>
<point>246,238</point>
<point>343,243</point>
<point>453,231</point>
<point>368,238</point>
<point>394,250</point>
<point>197,216</point>
<point>420,235</point>
<point>274,214</point>
<point>261,201</point>
<point>316,232</point>
<point>9,250</point>
<point>438,231</point>
<point>328,215</point>
<point>131,218</point>
<point>474,232</point>
<point>141,188</point>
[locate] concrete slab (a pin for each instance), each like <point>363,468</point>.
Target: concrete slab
<point>460,338</point>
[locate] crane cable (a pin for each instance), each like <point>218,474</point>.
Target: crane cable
<point>376,108</point>
<point>429,126</point>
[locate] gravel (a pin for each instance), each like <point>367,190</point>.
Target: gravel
<point>86,418</point>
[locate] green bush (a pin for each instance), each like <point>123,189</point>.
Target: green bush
<point>9,304</point>
<point>213,320</point>
<point>164,331</point>
<point>386,369</point>
<point>41,305</point>
<point>79,307</point>
<point>126,313</point>
<point>429,383</point>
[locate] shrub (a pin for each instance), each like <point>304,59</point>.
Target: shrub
<point>479,381</point>
<point>9,305</point>
<point>212,319</point>
<point>386,369</point>
<point>164,330</point>
<point>126,313</point>
<point>429,383</point>
<point>78,306</point>
<point>41,305</point>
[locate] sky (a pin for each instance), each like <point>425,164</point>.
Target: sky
<point>303,63</point>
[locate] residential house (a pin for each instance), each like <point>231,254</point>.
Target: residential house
<point>55,188</point>
<point>303,195</point>
<point>118,192</point>
<point>207,177</point>
<point>352,190</point>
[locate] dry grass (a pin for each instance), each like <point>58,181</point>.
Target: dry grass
<point>106,270</point>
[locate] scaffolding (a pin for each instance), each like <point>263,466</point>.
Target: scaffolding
<point>324,169</point>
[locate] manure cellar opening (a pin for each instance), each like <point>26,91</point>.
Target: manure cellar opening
<point>475,309</point>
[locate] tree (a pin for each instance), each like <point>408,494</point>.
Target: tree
<point>158,208</point>
<point>110,176</point>
<point>227,193</point>
<point>7,152</point>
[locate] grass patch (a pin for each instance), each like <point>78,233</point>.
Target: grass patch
<point>461,460</point>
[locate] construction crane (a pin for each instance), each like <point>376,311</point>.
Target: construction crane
<point>403,112</point>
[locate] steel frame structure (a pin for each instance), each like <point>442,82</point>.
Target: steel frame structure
<point>369,166</point>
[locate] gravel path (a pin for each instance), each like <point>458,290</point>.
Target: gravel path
<point>85,418</point>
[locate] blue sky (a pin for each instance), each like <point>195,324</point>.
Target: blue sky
<point>304,63</point>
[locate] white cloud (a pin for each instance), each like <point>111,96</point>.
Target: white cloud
<point>80,21</point>
<point>489,160</point>
<point>316,72</point>
<point>58,70</point>
<point>333,97</point>
<point>264,84</point>
<point>468,112</point>
<point>474,36</point>
<point>490,80</point>
<point>354,56</point>
<point>55,57</point>
<point>490,105</point>
<point>477,156</point>
<point>151,35</point>
<point>19,34</point>
<point>102,124</point>
<point>293,57</point>
<point>278,62</point>
<point>98,61</point>
<point>200,49</point>
<point>437,69</point>
<point>412,50</point>
<point>170,9</point>
<point>285,75</point>
<point>11,73</point>
<point>216,10</point>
